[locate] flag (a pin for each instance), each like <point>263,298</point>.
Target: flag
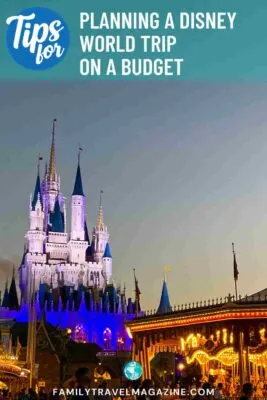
<point>236,273</point>
<point>137,290</point>
<point>167,268</point>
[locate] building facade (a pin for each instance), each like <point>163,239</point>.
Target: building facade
<point>222,340</point>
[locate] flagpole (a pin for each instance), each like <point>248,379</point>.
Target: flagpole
<point>235,289</point>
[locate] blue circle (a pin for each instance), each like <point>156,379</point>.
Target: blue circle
<point>49,44</point>
<point>133,370</point>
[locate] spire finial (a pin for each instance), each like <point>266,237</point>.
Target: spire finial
<point>166,269</point>
<point>80,149</point>
<point>38,164</point>
<point>13,272</point>
<point>52,161</point>
<point>233,247</point>
<point>100,218</point>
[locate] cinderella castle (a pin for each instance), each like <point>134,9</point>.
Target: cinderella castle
<point>68,275</point>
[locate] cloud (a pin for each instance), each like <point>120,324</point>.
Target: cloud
<point>6,267</point>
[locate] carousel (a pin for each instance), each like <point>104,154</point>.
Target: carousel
<point>13,374</point>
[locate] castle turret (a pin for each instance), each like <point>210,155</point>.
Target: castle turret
<point>78,243</point>
<point>5,302</point>
<point>12,295</point>
<point>52,178</point>
<point>100,234</point>
<point>78,207</point>
<point>107,263</point>
<point>164,305</point>
<point>36,234</point>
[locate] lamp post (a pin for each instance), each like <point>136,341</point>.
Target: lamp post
<point>64,337</point>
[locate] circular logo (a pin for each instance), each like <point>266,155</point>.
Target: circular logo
<point>133,370</point>
<point>37,38</point>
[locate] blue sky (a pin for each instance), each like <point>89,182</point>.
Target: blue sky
<point>183,167</point>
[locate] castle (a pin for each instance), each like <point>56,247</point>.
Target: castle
<point>68,274</point>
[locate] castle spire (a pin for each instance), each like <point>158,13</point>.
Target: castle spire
<point>100,217</point>
<point>137,294</point>
<point>164,305</point>
<point>5,302</point>
<point>52,161</point>
<point>37,190</point>
<point>12,295</point>
<point>78,186</point>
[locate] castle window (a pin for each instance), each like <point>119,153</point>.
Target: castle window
<point>107,339</point>
<point>120,343</point>
<point>80,334</point>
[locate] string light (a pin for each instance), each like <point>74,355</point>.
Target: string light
<point>137,326</point>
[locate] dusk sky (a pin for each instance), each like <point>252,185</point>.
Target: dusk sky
<point>183,167</point>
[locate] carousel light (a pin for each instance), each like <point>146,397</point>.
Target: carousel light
<point>181,366</point>
<point>262,334</point>
<point>189,337</point>
<point>207,317</point>
<point>182,344</point>
<point>128,330</point>
<point>224,336</point>
<point>69,331</point>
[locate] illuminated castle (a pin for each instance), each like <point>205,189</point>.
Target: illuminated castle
<point>69,273</point>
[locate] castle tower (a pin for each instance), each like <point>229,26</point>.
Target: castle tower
<point>78,243</point>
<point>36,235</point>
<point>51,177</point>
<point>100,234</point>
<point>107,263</point>
<point>78,207</point>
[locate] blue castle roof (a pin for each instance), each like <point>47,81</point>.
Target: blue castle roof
<point>5,302</point>
<point>107,252</point>
<point>78,186</point>
<point>56,219</point>
<point>164,305</point>
<point>86,235</point>
<point>37,191</point>
<point>13,302</point>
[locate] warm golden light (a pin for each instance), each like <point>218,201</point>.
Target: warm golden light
<point>181,366</point>
<point>69,331</point>
<point>128,330</point>
<point>262,335</point>
<point>224,336</point>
